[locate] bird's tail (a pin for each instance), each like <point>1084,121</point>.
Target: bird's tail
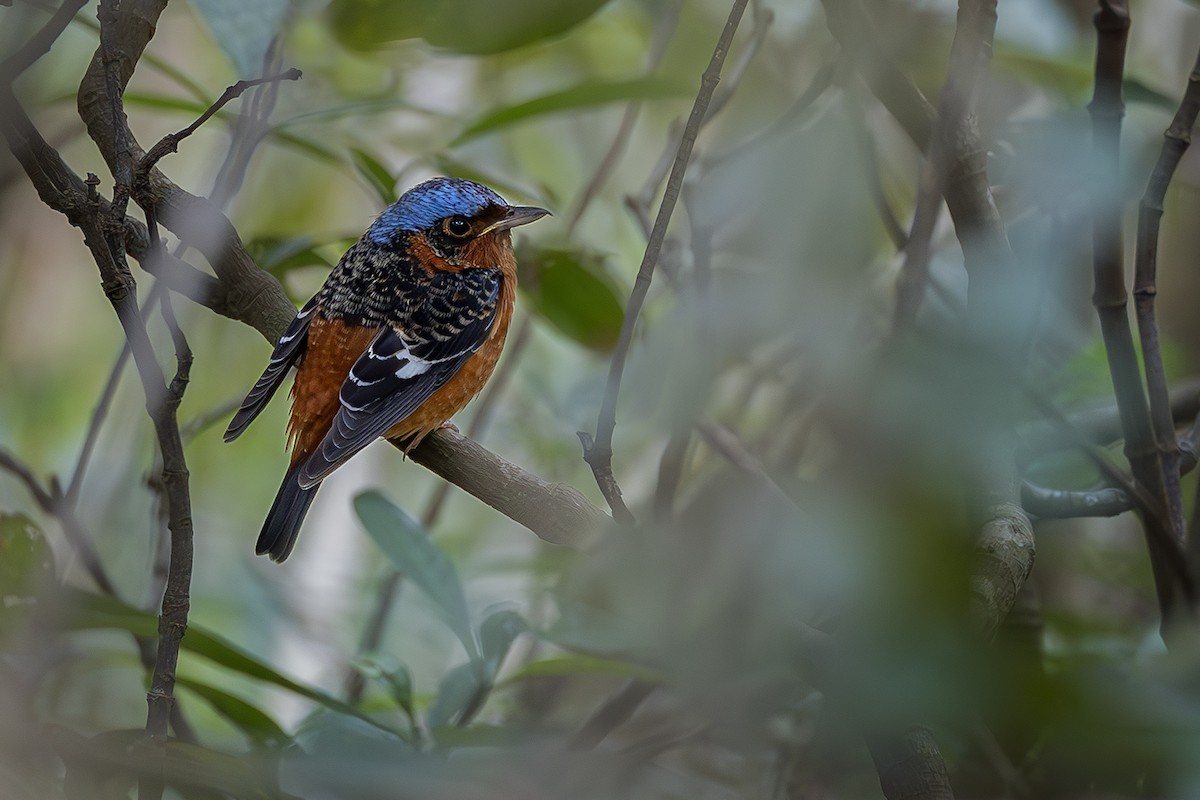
<point>283,522</point>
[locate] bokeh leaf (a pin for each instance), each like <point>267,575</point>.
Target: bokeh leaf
<point>26,563</point>
<point>92,611</point>
<point>336,752</point>
<point>407,544</point>
<point>393,674</point>
<point>572,291</point>
<point>463,26</point>
<point>461,693</point>
<point>583,95</point>
<point>582,665</point>
<point>496,636</point>
<point>25,558</point>
<point>249,719</point>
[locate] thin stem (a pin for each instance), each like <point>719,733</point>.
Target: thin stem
<point>1177,138</point>
<point>1110,298</point>
<point>598,452</point>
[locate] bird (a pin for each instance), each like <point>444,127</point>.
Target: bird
<point>405,331</point>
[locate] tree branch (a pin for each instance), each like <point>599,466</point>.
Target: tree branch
<point>1110,298</point>
<point>1177,138</point>
<point>557,513</point>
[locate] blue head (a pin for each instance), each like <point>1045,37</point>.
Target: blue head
<point>448,214</point>
<point>426,204</point>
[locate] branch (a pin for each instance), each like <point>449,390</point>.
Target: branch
<point>598,452</point>
<point>1177,138</point>
<point>1110,299</point>
<point>1064,504</point>
<point>911,766</point>
<point>106,242</point>
<point>557,513</point>
<point>947,153</point>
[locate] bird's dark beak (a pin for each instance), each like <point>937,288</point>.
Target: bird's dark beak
<point>516,215</point>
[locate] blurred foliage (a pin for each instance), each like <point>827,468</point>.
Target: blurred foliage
<point>463,26</point>
<point>793,484</point>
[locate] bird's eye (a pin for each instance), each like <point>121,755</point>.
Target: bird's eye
<point>457,226</point>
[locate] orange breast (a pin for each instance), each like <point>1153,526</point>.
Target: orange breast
<point>333,347</point>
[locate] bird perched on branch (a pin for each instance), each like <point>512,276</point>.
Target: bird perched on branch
<point>406,330</point>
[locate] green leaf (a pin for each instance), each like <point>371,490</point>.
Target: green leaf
<point>464,26</point>
<point>335,749</point>
<point>376,174</point>
<point>581,665</point>
<point>583,95</point>
<point>407,544</point>
<point>249,719</point>
<point>91,611</point>
<point>367,24</point>
<point>461,694</point>
<point>572,291</point>
<point>496,636</point>
<point>114,759</point>
<point>25,558</point>
<point>393,674</point>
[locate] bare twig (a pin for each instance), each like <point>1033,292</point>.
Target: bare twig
<point>969,54</point>
<point>170,142</point>
<point>1177,138</point>
<point>1110,299</point>
<point>105,240</point>
<point>598,452</point>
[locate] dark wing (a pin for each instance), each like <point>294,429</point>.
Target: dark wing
<point>403,368</point>
<point>290,347</point>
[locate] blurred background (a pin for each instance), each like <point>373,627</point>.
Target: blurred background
<point>789,473</point>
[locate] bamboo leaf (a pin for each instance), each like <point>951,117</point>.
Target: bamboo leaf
<point>584,95</point>
<point>249,719</point>
<point>91,611</point>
